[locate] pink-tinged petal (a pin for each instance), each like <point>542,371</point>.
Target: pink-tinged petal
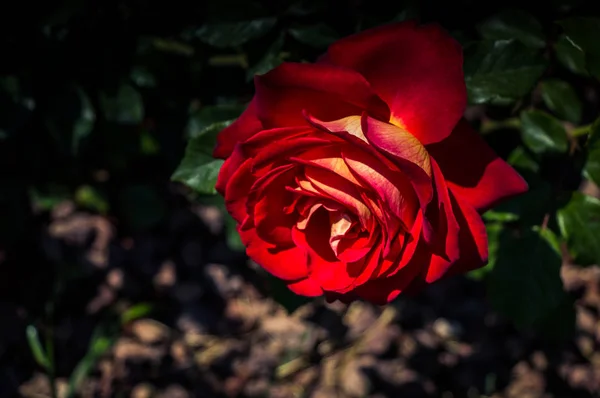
<point>340,190</point>
<point>306,287</point>
<point>358,135</point>
<point>325,269</point>
<point>417,70</point>
<point>406,151</point>
<point>391,186</point>
<point>396,142</point>
<point>443,239</point>
<point>239,131</point>
<point>288,264</point>
<point>473,171</point>
<point>329,92</point>
<point>326,157</point>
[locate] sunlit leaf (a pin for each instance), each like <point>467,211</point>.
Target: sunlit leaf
<point>198,169</point>
<point>35,345</point>
<point>579,223</point>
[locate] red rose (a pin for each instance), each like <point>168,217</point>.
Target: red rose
<point>356,176</point>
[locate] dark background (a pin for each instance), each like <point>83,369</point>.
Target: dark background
<point>91,227</point>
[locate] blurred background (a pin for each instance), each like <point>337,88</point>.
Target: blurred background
<point>121,276</point>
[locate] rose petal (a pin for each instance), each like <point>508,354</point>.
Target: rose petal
<point>473,171</point>
<point>383,290</point>
<point>237,183</point>
<point>417,70</point>
<point>329,92</point>
<point>229,167</point>
<point>472,238</point>
<point>472,243</point>
<point>306,287</point>
<point>243,128</point>
<point>267,200</point>
<point>417,172</point>
<point>393,188</point>
<point>327,158</point>
<point>339,189</point>
<point>443,236</point>
<point>288,264</point>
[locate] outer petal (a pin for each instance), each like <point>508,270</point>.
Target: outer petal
<point>229,168</point>
<point>417,70</point>
<point>441,232</point>
<point>383,290</point>
<point>306,287</point>
<point>243,128</point>
<point>473,171</point>
<point>288,264</point>
<point>472,239</point>
<point>326,91</point>
<point>472,244</point>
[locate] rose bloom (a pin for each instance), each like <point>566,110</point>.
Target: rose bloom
<point>356,177</point>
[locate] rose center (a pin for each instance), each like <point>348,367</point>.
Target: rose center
<point>341,225</point>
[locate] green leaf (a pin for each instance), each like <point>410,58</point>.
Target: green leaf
<point>493,234</point>
<point>514,24</point>
<point>500,72</point>
<point>591,170</point>
<point>233,34</point>
<point>542,133</point>
<point>520,159</point>
<point>583,32</point>
<point>126,106</point>
<point>89,197</point>
<point>579,222</point>
<point>137,311</point>
<point>207,116</point>
<point>270,60</point>
<point>318,36</point>
<point>525,283</point>
<point>103,338</point>
<point>39,354</point>
<point>570,56</point>
<point>198,169</point>
<point>562,99</point>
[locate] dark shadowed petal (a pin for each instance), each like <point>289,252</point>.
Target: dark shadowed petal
<point>473,171</point>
